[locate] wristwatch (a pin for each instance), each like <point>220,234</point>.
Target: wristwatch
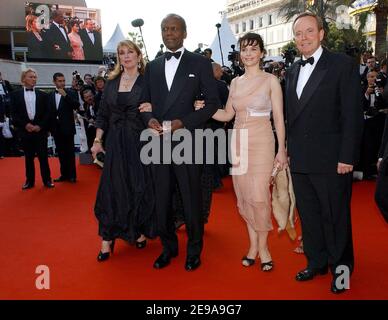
<point>97,140</point>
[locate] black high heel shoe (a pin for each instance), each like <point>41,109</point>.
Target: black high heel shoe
<point>141,244</point>
<point>267,266</point>
<point>247,262</point>
<point>105,256</point>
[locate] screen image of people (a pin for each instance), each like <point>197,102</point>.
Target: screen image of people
<point>63,33</point>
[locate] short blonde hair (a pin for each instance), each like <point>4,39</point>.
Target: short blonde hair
<point>24,74</point>
<point>132,46</point>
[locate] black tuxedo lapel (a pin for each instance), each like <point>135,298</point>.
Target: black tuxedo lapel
<point>311,85</point>
<point>160,70</point>
<point>178,83</point>
<point>39,107</point>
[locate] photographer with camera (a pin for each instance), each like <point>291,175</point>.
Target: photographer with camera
<point>373,125</point>
<point>234,58</point>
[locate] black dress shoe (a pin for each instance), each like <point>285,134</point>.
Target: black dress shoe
<point>72,180</point>
<point>178,224</point>
<point>27,185</point>
<point>141,244</point>
<point>60,179</point>
<point>334,288</point>
<point>192,263</point>
<point>309,274</point>
<point>162,261</point>
<point>49,185</point>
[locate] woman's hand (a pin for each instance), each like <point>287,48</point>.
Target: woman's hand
<point>97,148</point>
<point>199,104</point>
<point>145,107</point>
<point>281,159</point>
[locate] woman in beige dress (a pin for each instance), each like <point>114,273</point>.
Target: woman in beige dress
<point>76,42</point>
<point>252,98</point>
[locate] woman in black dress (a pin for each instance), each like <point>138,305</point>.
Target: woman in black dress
<point>125,199</point>
<point>35,38</point>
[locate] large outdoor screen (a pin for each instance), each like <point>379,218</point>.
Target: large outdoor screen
<point>63,33</point>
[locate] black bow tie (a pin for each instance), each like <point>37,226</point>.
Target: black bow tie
<point>169,54</point>
<point>304,62</point>
<point>29,89</point>
<point>90,32</point>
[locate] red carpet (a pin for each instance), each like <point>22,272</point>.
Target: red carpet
<point>57,228</point>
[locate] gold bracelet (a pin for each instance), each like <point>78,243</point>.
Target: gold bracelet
<point>97,140</point>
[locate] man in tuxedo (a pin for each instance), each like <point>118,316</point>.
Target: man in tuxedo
<point>31,117</point>
<point>57,39</point>
<point>172,83</point>
<point>324,130</point>
<point>92,41</point>
<point>62,104</point>
<point>381,195</point>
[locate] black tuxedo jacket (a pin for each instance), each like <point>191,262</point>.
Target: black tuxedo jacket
<point>62,120</point>
<point>6,86</point>
<point>193,76</point>
<point>383,153</point>
<point>20,116</point>
<point>55,37</point>
<point>325,125</point>
<point>93,52</point>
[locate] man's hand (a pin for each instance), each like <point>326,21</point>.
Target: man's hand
<point>62,92</point>
<point>378,164</point>
<point>344,168</point>
<point>176,124</point>
<point>155,125</point>
<point>29,127</point>
<point>36,129</point>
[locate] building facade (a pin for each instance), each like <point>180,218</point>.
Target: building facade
<point>262,17</point>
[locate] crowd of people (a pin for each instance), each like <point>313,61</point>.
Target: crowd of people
<point>315,119</point>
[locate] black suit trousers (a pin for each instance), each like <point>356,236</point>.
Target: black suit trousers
<point>35,144</point>
<point>323,202</point>
<point>381,194</point>
<point>65,148</point>
<point>188,178</point>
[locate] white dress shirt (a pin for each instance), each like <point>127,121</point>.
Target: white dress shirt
<point>30,100</point>
<point>306,71</point>
<point>57,99</point>
<point>2,91</point>
<point>91,35</point>
<point>61,29</point>
<point>171,67</point>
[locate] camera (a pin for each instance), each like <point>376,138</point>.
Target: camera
<point>234,58</point>
<point>77,77</point>
<point>289,56</point>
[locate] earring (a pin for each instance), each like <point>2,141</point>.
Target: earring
<point>121,68</point>
<point>139,65</point>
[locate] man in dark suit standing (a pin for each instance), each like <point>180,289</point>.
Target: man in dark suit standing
<point>172,83</point>
<point>62,105</point>
<point>381,195</point>
<point>31,117</point>
<point>92,41</point>
<point>324,130</point>
<point>57,39</point>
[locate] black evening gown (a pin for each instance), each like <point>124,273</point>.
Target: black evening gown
<point>125,198</point>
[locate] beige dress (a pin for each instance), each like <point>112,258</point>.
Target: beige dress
<point>252,105</point>
<point>77,45</point>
